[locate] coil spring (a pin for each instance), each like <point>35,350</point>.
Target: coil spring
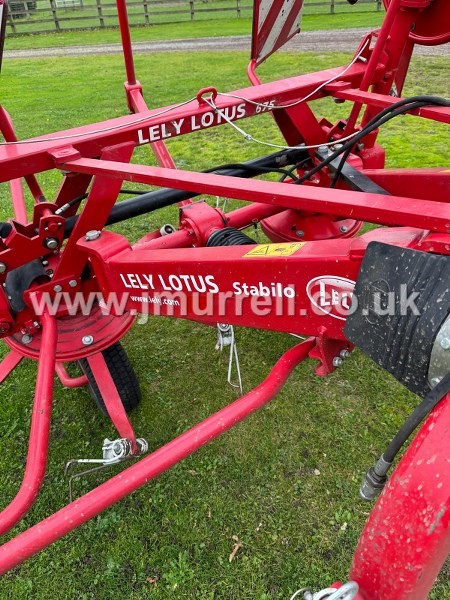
<point>229,236</point>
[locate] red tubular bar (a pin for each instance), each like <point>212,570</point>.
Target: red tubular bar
<point>126,41</point>
<point>241,218</point>
<point>253,213</point>
<point>88,506</point>
<point>19,161</point>
<point>110,395</point>
<point>159,149</point>
<point>440,114</point>
<point>391,15</point>
<point>18,199</point>
<point>9,363</point>
<point>67,380</point>
<point>39,432</point>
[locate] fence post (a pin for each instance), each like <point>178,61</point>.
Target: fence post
<point>238,8</point>
<point>378,4</point>
<point>11,22</point>
<point>26,9</point>
<point>55,14</point>
<point>146,17</point>
<point>332,7</point>
<point>191,4</point>
<point>100,14</point>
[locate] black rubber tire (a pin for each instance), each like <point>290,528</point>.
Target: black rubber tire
<point>123,376</point>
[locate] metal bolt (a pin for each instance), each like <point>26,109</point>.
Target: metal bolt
<point>92,235</point>
<point>4,326</point>
<point>337,361</point>
<point>324,150</point>
<point>299,233</point>
<point>435,381</point>
<point>73,283</point>
<point>445,343</point>
<point>57,288</point>
<point>51,243</point>
<point>117,448</point>
<point>87,340</point>
<point>343,228</point>
<point>2,268</point>
<point>344,353</point>
<point>27,338</point>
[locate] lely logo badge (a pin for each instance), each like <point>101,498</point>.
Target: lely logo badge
<point>331,295</point>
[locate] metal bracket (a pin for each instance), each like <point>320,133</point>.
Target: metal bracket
<point>114,452</point>
<point>225,337</point>
<point>348,591</point>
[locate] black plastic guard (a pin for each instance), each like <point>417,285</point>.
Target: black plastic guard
<point>401,300</point>
<point>20,279</point>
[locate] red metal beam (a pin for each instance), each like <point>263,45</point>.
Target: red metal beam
<point>88,506</point>
<point>32,156</point>
<point>39,433</point>
<point>374,208</point>
<point>113,403</point>
<point>435,113</point>
<point>407,537</point>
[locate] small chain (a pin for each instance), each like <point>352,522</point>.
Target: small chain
<point>347,591</point>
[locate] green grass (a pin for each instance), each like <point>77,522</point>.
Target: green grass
<point>214,27</point>
<point>285,482</point>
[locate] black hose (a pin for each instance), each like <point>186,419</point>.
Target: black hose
<point>376,477</point>
<point>256,170</point>
<point>385,115</point>
<point>291,170</point>
<point>382,117</point>
<point>425,407</point>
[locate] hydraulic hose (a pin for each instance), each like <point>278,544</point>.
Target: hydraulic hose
<point>376,477</point>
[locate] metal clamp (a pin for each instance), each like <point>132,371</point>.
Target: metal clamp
<point>114,452</point>
<point>225,337</point>
<point>348,591</point>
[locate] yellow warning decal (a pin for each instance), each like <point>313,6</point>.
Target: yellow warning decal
<point>263,250</point>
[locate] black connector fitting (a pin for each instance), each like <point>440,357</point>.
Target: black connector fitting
<point>374,480</point>
<point>5,229</point>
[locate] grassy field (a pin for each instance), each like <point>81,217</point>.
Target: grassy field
<point>215,27</point>
<point>285,482</point>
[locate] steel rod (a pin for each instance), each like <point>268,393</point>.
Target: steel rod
<point>39,432</point>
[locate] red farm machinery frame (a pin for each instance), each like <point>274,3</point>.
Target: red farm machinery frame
<point>315,277</point>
